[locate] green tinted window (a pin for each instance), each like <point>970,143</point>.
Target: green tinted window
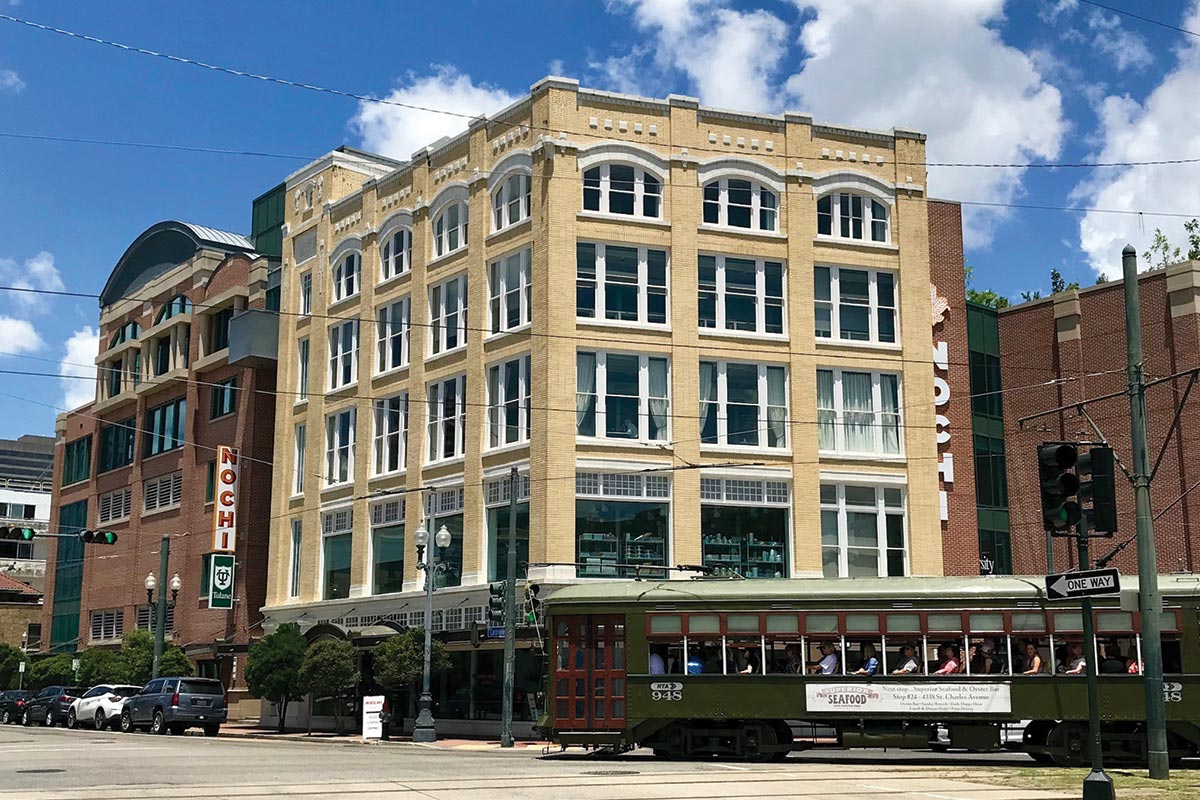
<point>1033,621</point>
<point>821,623</point>
<point>1068,621</point>
<point>903,623</point>
<point>862,623</point>
<point>783,623</point>
<point>742,623</point>
<point>945,623</point>
<point>666,623</point>
<point>987,622</point>
<point>1114,621</point>
<point>704,623</point>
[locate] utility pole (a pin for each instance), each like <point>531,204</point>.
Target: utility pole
<point>1149,598</point>
<point>1097,785</point>
<point>510,615</point>
<point>160,622</point>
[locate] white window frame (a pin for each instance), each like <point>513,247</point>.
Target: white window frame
<point>297,544</point>
<point>162,492</point>
<point>756,205</point>
<point>299,445</point>
<point>395,254</point>
<point>386,440</point>
<point>306,294</point>
<point>347,276</point>
<point>303,350</point>
<point>722,403</point>
<point>500,293</point>
<point>498,401</point>
<point>114,506</point>
<point>720,293</point>
<point>877,413</point>
<point>511,195</point>
<point>337,449</point>
<point>438,314</point>
<point>600,283</point>
<point>601,182</point>
<point>718,490</point>
<point>601,394</point>
<point>343,354</point>
<point>870,205</point>
<point>330,529</point>
<point>436,421</point>
<point>835,303</point>
<point>881,511</point>
<point>393,321</point>
<point>445,234</point>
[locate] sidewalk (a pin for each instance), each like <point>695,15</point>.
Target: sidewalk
<point>252,731</point>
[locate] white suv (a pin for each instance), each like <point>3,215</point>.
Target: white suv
<point>100,706</point>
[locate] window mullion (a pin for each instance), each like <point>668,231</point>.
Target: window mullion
<point>722,404</point>
<point>880,533</point>
<point>762,406</point>
<point>877,412</point>
<point>843,532</point>
<point>835,301</point>
<point>839,436</point>
<point>643,403</point>
<point>720,292</point>
<point>601,395</point>
<point>755,205</point>
<point>601,279</point>
<point>604,189</point>
<point>643,287</point>
<point>873,305</point>
<point>760,295</point>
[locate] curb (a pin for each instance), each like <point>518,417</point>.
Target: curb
<point>355,741</point>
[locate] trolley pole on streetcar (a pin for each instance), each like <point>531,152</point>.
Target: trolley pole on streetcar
<point>510,615</point>
<point>1097,785</point>
<point>1149,598</point>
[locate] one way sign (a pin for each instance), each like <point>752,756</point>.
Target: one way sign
<point>1083,584</point>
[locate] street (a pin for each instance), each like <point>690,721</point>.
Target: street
<point>56,764</point>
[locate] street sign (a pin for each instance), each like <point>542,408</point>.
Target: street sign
<point>75,665</point>
<point>21,667</point>
<point>495,632</point>
<point>220,590</point>
<point>1083,584</point>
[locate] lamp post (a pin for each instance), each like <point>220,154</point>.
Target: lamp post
<point>159,607</point>
<point>425,729</point>
<point>24,650</point>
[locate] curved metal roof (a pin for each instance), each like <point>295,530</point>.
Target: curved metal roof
<point>162,247</point>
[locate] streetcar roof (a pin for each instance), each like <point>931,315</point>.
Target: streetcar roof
<point>707,590</point>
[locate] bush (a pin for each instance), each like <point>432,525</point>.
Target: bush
<point>10,660</point>
<point>137,652</point>
<point>50,671</point>
<point>101,665</point>
<point>400,660</point>
<point>273,668</point>
<point>330,670</point>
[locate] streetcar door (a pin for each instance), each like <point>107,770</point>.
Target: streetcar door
<point>589,672</point>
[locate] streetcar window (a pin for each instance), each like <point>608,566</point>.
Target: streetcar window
<point>859,652</point>
<point>1114,622</point>
<point>675,660</point>
<point>1031,657</point>
<point>1071,621</point>
<point>1115,655</point>
<point>1170,623</point>
<point>704,656</point>
<point>988,655</point>
<point>945,623</point>
<point>862,623</point>
<point>744,655</point>
<point>821,623</point>
<point>704,623</point>
<point>666,623</point>
<point>819,657</point>
<point>742,623</point>
<point>987,623</point>
<point>1171,657</point>
<point>784,656</point>
<point>783,623</point>
<point>903,623</point>
<point>1028,621</point>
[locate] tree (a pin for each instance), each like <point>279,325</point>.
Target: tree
<point>10,660</point>
<point>330,670</point>
<point>101,665</point>
<point>1101,279</point>
<point>273,668</point>
<point>137,652</point>
<point>1160,252</point>
<point>400,660</point>
<point>1058,284</point>
<point>984,297</point>
<point>50,671</point>
<point>175,664</point>
<point>1036,294</point>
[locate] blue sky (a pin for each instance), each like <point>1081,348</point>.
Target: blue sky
<point>989,81</point>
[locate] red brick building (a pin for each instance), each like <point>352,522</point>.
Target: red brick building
<point>174,381</point>
<point>1070,347</point>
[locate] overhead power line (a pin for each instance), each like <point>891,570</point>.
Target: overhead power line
<point>1139,17</point>
<point>150,145</point>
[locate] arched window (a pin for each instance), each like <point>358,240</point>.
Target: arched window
<point>179,304</point>
<point>450,229</point>
<point>345,276</point>
<point>614,188</point>
<point>127,332</point>
<point>740,203</point>
<point>396,254</point>
<point>510,201</point>
<point>844,215</point>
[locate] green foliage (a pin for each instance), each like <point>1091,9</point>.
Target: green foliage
<point>400,660</point>
<point>273,668</point>
<point>137,652</point>
<point>1058,284</point>
<point>984,297</point>
<point>1036,294</point>
<point>49,671</point>
<point>175,663</point>
<point>1160,252</point>
<point>1101,279</point>
<point>10,659</point>
<point>1192,227</point>
<point>330,669</point>
<point>101,665</point>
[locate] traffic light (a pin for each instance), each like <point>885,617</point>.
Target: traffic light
<point>20,534</point>
<point>98,537</point>
<point>496,602</point>
<point>1098,488</point>
<point>533,604</point>
<point>1059,484</point>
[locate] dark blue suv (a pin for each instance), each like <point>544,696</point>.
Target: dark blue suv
<point>176,704</point>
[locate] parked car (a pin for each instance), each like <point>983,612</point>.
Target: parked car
<point>49,706</point>
<point>12,705</point>
<point>176,704</point>
<point>100,706</point>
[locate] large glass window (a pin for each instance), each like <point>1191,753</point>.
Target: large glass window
<point>165,426</point>
<point>116,444</point>
<point>739,203</point>
<point>390,444</point>
<point>856,305</point>
<point>510,201</point>
<point>991,473</point>
<point>339,447</point>
<point>622,189</point>
<point>858,412</point>
<point>448,315</point>
<point>336,551</point>
<point>302,369</point>
<point>743,405</point>
<point>446,412</point>
<point>625,284</point>
<point>863,530</point>
<point>176,306</point>
<point>497,498</point>
<point>509,401</point>
<point>387,559</point>
<point>450,229</point>
<point>218,329</point>
<point>621,522</point>
<point>449,514</point>
<point>224,398</point>
<point>622,396</point>
<point>395,255</point>
<point>392,336</point>
<point>306,294</point>
<point>343,354</point>
<point>77,461</point>
<point>852,216</point>
<point>509,293</point>
<point>741,294</point>
<point>294,566</point>
<point>346,276</point>
<point>986,388</point>
<point>299,442</point>
<point>744,526</point>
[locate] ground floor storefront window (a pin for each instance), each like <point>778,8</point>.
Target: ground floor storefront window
<point>744,526</point>
<point>622,523</point>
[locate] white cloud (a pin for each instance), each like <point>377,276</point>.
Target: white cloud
<point>17,336</point>
<point>1165,125</point>
<point>624,73</point>
<point>1050,11</point>
<point>80,350</point>
<point>1128,49</point>
<point>940,68</point>
<point>10,81</point>
<point>398,132</point>
<point>38,272</point>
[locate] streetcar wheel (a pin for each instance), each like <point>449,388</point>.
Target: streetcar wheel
<point>1068,744</point>
<point>759,739</point>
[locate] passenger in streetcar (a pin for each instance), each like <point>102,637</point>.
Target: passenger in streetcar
<point>907,665</point>
<point>984,660</point>
<point>752,660</point>
<point>695,661</point>
<point>795,659</point>
<point>658,664</point>
<point>1113,662</point>
<point>1078,664</point>
<point>951,660</point>
<point>870,663</point>
<point>828,665</point>
<point>1033,659</point>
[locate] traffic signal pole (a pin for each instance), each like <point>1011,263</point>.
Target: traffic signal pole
<point>1149,598</point>
<point>510,615</point>
<point>1097,785</point>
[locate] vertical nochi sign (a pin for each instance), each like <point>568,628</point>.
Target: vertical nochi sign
<point>225,510</point>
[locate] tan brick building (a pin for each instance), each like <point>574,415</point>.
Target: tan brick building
<point>750,298</point>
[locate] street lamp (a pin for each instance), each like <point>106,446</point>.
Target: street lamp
<point>24,650</point>
<point>159,608</point>
<point>425,729</point>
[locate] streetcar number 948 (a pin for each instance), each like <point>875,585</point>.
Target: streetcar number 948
<point>666,690</point>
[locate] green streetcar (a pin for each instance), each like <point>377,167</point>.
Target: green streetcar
<point>726,667</point>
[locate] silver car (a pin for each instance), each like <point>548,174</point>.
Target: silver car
<point>100,706</point>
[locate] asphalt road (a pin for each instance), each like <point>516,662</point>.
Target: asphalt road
<point>56,764</point>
